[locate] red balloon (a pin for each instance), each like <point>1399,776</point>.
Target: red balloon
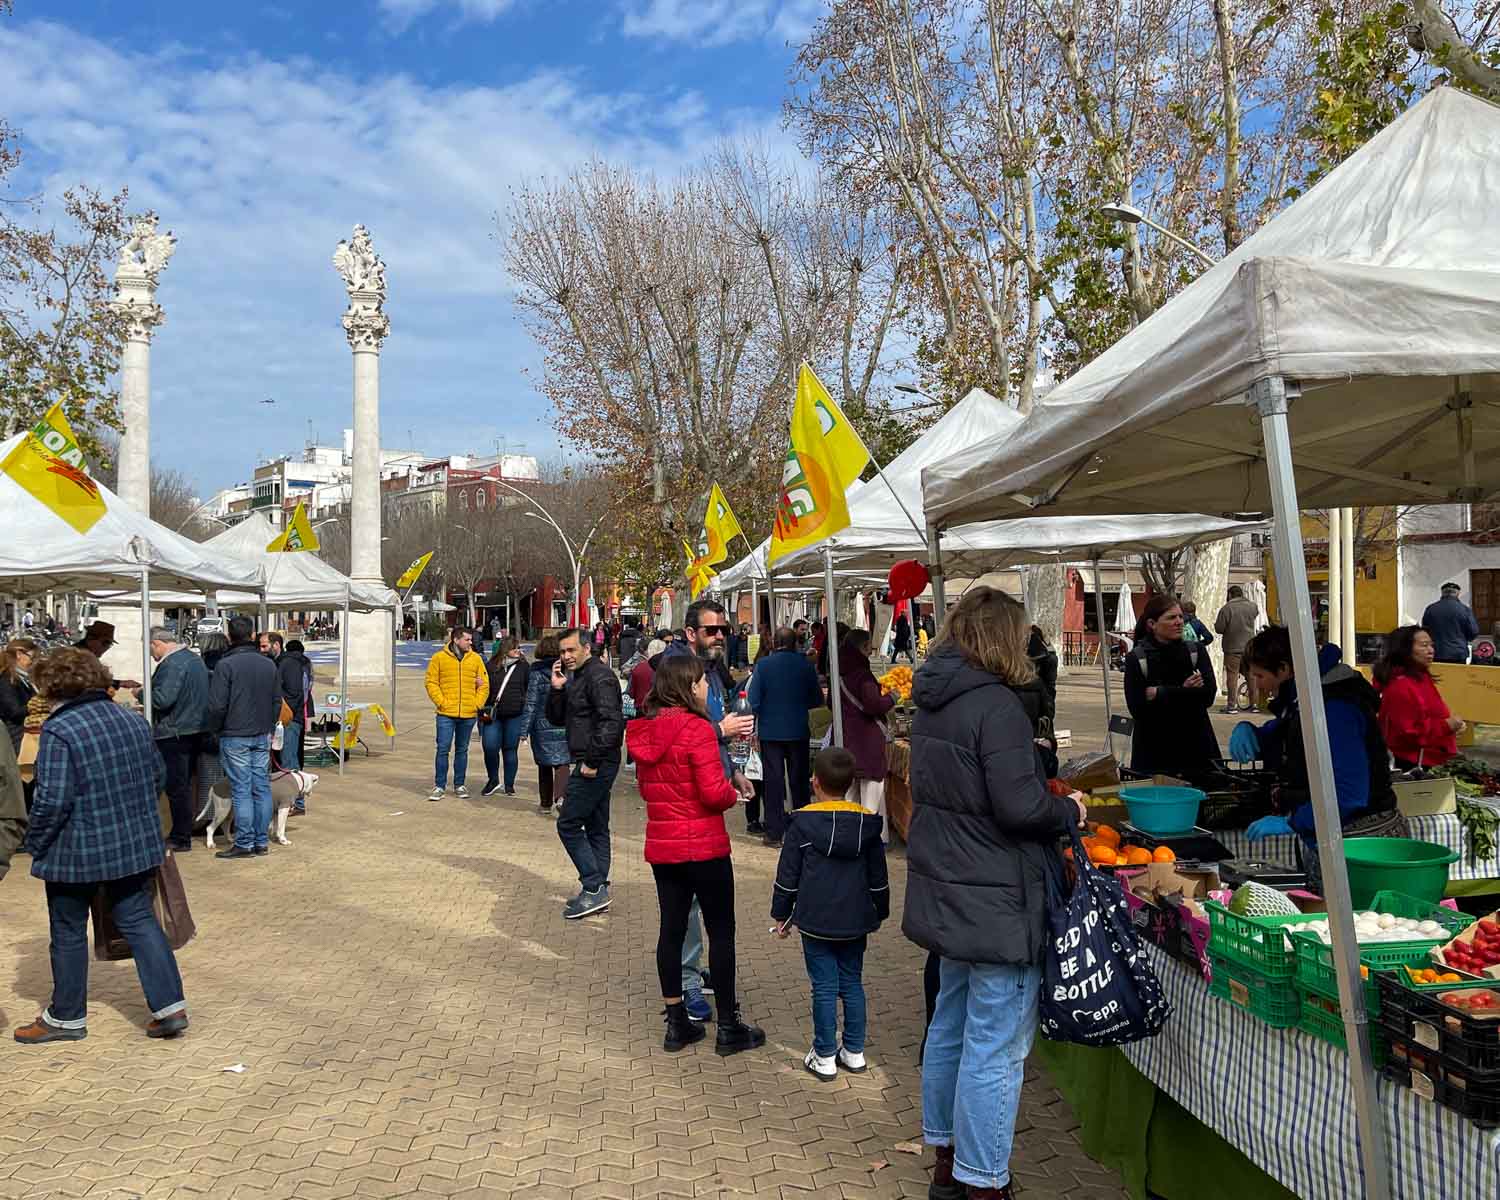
<point>909,579</point>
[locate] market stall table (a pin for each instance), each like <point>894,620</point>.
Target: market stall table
<point>1281,1097</point>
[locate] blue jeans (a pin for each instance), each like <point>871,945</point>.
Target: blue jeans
<point>583,824</point>
<point>501,736</point>
<point>836,971</point>
<point>291,746</point>
<point>454,733</point>
<point>974,1063</point>
<point>692,950</point>
<point>129,902</point>
<point>247,762</point>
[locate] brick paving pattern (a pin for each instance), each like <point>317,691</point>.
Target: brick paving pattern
<point>415,1019</point>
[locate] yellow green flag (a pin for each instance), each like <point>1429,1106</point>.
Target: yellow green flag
<point>824,456</point>
<point>298,534</point>
<point>413,573</point>
<point>48,464</point>
<point>720,526</point>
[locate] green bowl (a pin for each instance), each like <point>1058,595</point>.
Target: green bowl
<point>1402,865</point>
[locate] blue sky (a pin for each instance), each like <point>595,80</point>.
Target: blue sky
<point>261,132</point>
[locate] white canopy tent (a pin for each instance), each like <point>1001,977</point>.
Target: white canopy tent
<point>123,549</point>
<point>1349,345</point>
<point>294,582</point>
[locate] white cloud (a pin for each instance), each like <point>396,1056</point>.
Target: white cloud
<point>260,167</point>
<point>401,13</point>
<point>720,22</point>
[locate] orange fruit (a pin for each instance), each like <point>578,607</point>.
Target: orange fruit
<point>1121,861</point>
<point>1163,854</point>
<point>1137,856</point>
<point>1102,855</point>
<point>1109,834</point>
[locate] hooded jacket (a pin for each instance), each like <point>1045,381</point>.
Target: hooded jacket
<point>983,825</point>
<point>1361,764</point>
<point>456,683</point>
<point>680,776</point>
<point>831,881</point>
<point>864,706</point>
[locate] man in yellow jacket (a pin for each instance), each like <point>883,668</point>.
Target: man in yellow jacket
<point>457,685</point>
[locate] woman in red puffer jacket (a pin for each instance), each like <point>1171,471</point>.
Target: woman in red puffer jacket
<point>682,778</point>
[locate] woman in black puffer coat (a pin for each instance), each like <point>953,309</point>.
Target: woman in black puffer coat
<point>983,828</point>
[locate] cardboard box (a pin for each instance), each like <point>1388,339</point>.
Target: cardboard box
<point>1436,953</point>
<point>1425,797</point>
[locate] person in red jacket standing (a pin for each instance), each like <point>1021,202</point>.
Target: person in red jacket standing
<point>681,777</point>
<point>1416,723</point>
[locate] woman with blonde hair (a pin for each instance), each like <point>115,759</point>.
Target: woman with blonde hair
<point>983,830</point>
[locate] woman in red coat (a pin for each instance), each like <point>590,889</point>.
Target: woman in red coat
<point>1414,719</point>
<point>682,777</point>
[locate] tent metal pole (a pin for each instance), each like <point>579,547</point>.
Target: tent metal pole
<point>1109,714</point>
<point>831,638</point>
<point>935,573</point>
<point>1269,396</point>
<point>1335,575</point>
<point>146,641</point>
<point>1349,635</point>
<point>343,683</point>
<point>392,715</point>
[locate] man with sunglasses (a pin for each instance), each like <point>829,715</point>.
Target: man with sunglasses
<point>707,630</point>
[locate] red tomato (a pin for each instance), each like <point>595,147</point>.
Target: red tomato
<point>1489,926</point>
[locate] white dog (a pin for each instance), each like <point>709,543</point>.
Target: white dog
<point>287,788</point>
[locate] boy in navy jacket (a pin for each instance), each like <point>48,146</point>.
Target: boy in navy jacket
<point>832,884</point>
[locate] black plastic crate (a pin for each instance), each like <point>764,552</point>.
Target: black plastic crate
<point>1466,1042</point>
<point>1474,1097</point>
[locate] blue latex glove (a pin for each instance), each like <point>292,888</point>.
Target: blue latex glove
<point>1268,827</point>
<point>1244,743</point>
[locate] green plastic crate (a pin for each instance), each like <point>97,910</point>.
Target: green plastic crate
<point>1256,943</point>
<point>1314,959</point>
<point>1320,1023</point>
<point>1275,1002</point>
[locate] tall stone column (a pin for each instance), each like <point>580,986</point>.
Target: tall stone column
<point>366,325</point>
<point>142,258</point>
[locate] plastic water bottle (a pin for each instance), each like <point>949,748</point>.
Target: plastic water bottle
<point>739,748</point>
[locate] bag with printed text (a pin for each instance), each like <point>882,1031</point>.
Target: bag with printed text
<point>1098,988</point>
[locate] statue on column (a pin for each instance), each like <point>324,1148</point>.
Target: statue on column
<point>364,278</point>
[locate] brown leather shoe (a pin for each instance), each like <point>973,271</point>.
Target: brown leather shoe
<point>39,1031</point>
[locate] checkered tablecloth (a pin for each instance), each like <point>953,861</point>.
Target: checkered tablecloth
<point>1444,829</point>
<point>1282,1097</point>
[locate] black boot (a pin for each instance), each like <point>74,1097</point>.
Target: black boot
<point>1001,1193</point>
<point>681,1032</point>
<point>943,1185</point>
<point>734,1034</point>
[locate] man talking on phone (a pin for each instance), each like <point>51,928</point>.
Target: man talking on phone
<point>585,701</point>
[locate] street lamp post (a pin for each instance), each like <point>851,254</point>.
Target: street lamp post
<point>1129,214</point>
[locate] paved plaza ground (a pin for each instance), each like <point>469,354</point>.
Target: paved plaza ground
<point>414,1018</point>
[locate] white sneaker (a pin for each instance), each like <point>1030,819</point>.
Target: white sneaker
<point>461,792</point>
<point>823,1069</point>
<point>852,1061</point>
<point>437,793</point>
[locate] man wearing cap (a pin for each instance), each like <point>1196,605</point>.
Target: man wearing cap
<point>1452,625</point>
<point>97,640</point>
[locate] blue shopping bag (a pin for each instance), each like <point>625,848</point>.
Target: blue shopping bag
<point>1098,988</point>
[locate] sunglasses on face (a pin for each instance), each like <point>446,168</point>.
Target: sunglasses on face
<point>713,630</point>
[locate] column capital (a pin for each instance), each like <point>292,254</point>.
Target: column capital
<point>365,328</point>
<point>143,256</point>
